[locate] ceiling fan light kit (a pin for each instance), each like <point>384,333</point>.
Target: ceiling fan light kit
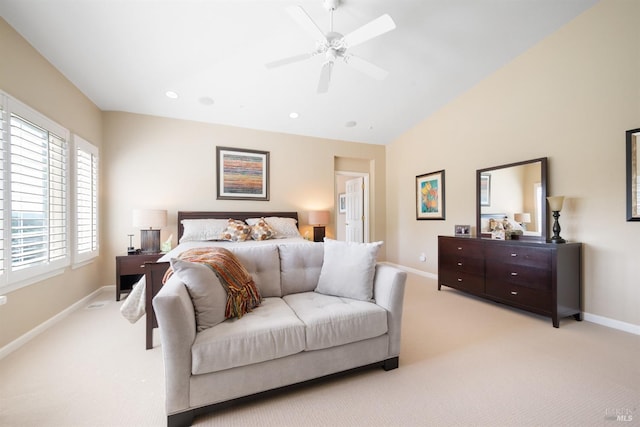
<point>334,45</point>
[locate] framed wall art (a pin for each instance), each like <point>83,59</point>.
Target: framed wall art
<point>430,196</point>
<point>242,174</point>
<point>633,175</point>
<point>342,203</point>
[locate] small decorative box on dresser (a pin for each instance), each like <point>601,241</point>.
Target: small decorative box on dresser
<point>543,278</point>
<point>129,269</point>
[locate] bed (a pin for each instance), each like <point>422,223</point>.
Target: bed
<point>138,302</point>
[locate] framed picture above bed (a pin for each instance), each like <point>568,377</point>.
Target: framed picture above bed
<point>242,174</point>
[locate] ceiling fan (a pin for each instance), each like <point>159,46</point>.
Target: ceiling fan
<point>334,45</point>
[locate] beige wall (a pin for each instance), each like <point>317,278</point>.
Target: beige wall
<point>570,98</point>
<point>170,164</point>
<point>28,77</point>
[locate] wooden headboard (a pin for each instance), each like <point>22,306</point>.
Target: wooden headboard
<point>227,215</point>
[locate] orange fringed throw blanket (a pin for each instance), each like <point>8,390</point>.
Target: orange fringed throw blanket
<point>242,292</point>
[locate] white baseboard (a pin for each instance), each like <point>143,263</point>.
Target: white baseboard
<point>23,339</point>
<point>612,323</point>
<point>413,270</point>
<point>593,318</point>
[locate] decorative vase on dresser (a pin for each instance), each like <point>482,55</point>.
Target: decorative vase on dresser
<point>539,277</point>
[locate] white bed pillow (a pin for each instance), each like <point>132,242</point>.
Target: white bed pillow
<point>198,230</point>
<point>348,269</point>
<point>207,293</point>
<point>282,227</point>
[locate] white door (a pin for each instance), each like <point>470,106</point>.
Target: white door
<point>354,203</point>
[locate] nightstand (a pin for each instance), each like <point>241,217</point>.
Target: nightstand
<point>129,269</point>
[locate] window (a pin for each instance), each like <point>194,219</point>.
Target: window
<point>86,200</point>
<point>36,218</point>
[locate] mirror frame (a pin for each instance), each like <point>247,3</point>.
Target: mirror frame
<point>543,185</point>
<point>632,175</point>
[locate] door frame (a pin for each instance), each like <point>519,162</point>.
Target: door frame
<point>365,209</point>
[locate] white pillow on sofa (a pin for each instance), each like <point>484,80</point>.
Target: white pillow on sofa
<point>348,269</point>
<point>207,293</point>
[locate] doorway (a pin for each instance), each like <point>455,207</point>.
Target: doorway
<point>352,200</point>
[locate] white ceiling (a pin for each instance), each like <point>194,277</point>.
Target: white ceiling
<point>125,54</point>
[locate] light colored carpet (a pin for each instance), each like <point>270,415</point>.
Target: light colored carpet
<point>464,362</point>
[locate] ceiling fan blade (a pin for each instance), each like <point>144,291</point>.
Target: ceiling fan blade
<point>366,67</point>
<point>304,20</point>
<point>368,31</point>
<point>289,60</point>
<point>325,77</point>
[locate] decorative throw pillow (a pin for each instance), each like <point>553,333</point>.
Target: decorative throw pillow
<point>348,269</point>
<point>236,231</point>
<point>261,230</point>
<point>207,293</point>
<point>282,227</point>
<point>203,229</point>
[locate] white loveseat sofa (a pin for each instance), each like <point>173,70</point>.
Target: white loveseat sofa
<point>296,334</point>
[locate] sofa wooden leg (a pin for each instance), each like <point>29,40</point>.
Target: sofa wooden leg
<point>390,364</point>
<point>183,419</point>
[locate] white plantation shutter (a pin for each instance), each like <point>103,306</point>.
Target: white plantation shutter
<point>3,143</point>
<point>38,195</point>
<point>34,188</point>
<point>86,200</point>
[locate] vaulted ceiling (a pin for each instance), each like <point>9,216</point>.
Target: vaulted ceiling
<point>126,54</point>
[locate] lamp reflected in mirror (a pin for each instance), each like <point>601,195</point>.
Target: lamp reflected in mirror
<point>523,219</point>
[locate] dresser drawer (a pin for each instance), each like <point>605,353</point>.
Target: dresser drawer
<point>460,247</point>
<point>519,274</point>
<point>520,295</point>
<point>462,264</point>
<point>461,280</point>
<point>521,255</point>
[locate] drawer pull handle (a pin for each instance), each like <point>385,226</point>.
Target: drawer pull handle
<point>142,266</point>
<point>459,264</point>
<point>514,292</point>
<point>514,255</point>
<point>514,273</point>
<point>459,279</point>
<point>459,248</point>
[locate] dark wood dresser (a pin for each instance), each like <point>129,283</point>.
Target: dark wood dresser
<point>542,278</point>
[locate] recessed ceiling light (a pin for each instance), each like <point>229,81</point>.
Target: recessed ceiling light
<point>294,115</point>
<point>351,124</point>
<point>171,94</point>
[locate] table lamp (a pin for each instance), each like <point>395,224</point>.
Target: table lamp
<point>523,219</point>
<point>154,219</point>
<point>318,219</point>
<point>555,204</point>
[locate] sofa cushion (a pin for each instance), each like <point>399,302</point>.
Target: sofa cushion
<point>207,293</point>
<point>331,321</point>
<point>263,263</point>
<point>300,266</point>
<point>348,269</point>
<point>270,331</point>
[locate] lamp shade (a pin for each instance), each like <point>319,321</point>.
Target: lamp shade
<point>319,217</point>
<point>149,218</point>
<point>555,203</point>
<point>522,218</point>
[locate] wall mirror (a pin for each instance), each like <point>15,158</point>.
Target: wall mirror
<point>517,192</point>
<point>633,176</point>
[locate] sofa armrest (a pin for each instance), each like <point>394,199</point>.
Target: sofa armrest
<point>177,324</point>
<point>388,292</point>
